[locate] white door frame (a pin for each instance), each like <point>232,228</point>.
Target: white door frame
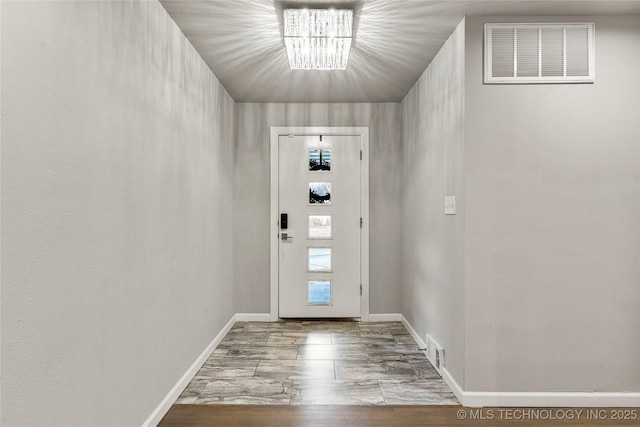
<point>363,133</point>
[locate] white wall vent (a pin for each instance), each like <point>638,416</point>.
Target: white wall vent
<point>435,353</point>
<point>539,53</point>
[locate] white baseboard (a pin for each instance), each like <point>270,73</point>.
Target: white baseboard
<point>446,376</point>
<point>253,317</point>
<point>166,403</point>
<point>551,399</point>
<point>385,317</point>
<point>531,399</point>
<point>413,332</point>
<point>453,385</point>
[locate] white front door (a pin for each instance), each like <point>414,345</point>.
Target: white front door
<point>320,226</point>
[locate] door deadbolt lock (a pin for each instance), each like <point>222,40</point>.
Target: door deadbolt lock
<point>285,237</point>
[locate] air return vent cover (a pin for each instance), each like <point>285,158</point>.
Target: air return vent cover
<point>539,53</point>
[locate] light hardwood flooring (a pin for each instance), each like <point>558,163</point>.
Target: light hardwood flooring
<point>370,416</point>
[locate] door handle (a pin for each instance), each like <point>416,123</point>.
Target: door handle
<point>285,237</point>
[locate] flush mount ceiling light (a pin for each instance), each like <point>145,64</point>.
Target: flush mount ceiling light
<point>318,39</point>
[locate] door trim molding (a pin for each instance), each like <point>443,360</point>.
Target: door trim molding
<point>363,133</point>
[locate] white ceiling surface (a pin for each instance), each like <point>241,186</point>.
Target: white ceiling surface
<point>394,41</point>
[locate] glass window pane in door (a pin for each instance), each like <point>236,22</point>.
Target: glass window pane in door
<point>319,226</point>
<point>319,292</point>
<point>319,159</point>
<point>320,193</point>
<point>319,259</point>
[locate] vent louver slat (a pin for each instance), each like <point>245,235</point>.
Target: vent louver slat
<point>552,52</point>
<point>528,51</point>
<point>539,53</point>
<point>503,51</point>
<point>577,52</point>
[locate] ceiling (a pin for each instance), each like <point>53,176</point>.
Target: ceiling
<point>394,41</point>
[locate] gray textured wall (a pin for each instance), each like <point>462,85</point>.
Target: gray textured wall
<point>552,231</point>
<point>433,138</point>
<point>116,211</point>
<point>252,198</point>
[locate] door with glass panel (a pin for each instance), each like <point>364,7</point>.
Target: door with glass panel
<point>320,226</point>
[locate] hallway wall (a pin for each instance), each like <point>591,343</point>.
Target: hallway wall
<point>433,265</point>
<point>252,194</point>
<point>116,211</point>
<point>552,183</point>
<point>536,276</point>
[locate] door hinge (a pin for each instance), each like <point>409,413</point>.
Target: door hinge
<point>360,289</point>
<point>360,154</point>
<point>320,138</point>
<point>361,222</point>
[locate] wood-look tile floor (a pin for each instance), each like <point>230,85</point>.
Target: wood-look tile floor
<point>318,363</point>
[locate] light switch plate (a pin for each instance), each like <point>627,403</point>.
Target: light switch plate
<point>450,205</point>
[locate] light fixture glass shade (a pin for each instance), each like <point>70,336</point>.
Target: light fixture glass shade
<point>318,39</point>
